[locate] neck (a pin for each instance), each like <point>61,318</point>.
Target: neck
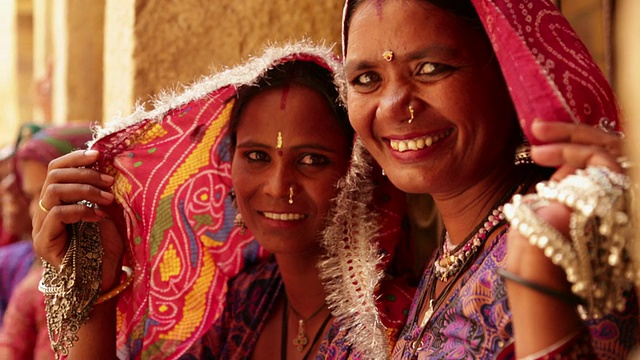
<point>302,284</point>
<point>463,211</point>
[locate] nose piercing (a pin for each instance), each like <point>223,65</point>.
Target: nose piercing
<point>388,55</point>
<point>290,194</point>
<point>410,114</point>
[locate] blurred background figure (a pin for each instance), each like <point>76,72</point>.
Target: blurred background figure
<point>23,334</point>
<point>16,252</point>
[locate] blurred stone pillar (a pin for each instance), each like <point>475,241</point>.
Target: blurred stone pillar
<point>9,115</point>
<point>77,39</point>
<point>628,85</point>
<point>42,60</point>
<point>151,45</point>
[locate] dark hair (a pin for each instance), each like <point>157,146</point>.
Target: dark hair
<point>301,72</point>
<point>461,8</point>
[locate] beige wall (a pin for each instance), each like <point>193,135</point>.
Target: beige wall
<point>628,80</point>
<point>78,37</point>
<point>9,99</point>
<point>178,41</point>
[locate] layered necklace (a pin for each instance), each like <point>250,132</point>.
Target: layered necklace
<point>455,259</point>
<point>301,340</point>
<point>452,258</point>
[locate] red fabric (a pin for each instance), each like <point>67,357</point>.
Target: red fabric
<point>24,332</point>
<point>173,182</point>
<point>550,74</point>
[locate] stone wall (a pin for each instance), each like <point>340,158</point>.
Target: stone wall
<point>162,43</point>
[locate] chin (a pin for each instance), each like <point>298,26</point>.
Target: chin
<point>410,181</point>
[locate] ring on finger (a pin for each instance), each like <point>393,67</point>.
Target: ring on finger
<point>42,207</point>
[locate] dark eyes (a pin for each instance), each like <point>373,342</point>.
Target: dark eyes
<point>366,79</point>
<point>313,159</point>
<point>257,156</point>
<point>306,159</point>
<point>426,72</point>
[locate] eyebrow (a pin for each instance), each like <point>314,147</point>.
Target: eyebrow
<point>438,51</point>
<point>253,144</point>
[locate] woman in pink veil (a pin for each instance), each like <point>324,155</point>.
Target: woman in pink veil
<point>447,96</point>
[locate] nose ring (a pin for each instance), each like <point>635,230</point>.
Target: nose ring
<point>290,194</point>
<point>410,114</point>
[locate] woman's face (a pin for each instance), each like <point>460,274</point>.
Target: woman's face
<point>34,174</point>
<point>19,204</point>
<point>15,218</point>
<point>313,155</point>
<point>464,121</point>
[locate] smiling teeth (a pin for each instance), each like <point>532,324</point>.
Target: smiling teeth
<point>283,217</point>
<point>416,143</point>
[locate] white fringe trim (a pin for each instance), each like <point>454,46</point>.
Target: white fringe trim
<point>352,268</point>
<point>245,74</point>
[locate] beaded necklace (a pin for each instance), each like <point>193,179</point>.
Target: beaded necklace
<point>450,261</point>
<point>463,254</point>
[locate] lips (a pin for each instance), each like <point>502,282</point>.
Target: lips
<point>284,216</point>
<point>418,143</point>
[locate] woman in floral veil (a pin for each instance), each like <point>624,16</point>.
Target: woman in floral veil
<point>269,138</point>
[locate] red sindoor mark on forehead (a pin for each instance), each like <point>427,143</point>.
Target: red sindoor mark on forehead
<point>379,8</point>
<point>285,93</point>
<point>280,153</point>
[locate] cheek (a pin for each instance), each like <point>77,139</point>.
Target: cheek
<point>242,187</point>
<point>360,114</point>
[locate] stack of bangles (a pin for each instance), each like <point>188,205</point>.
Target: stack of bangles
<point>596,256</point>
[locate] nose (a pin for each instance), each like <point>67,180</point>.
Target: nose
<point>280,181</point>
<point>397,103</point>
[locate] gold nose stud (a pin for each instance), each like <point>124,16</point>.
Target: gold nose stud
<point>410,114</point>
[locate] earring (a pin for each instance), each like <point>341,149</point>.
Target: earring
<point>410,114</point>
<point>290,194</point>
<point>523,153</point>
<point>239,222</point>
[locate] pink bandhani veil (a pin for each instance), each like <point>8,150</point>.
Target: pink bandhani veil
<point>550,75</point>
<point>173,179</point>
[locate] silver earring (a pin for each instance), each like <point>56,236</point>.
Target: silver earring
<point>523,153</point>
<point>237,221</point>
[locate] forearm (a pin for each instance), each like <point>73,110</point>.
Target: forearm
<point>97,337</point>
<point>540,321</point>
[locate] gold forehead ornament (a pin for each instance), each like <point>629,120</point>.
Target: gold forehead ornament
<point>279,141</point>
<point>388,55</point>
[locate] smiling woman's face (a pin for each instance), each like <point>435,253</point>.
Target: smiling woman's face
<point>463,123</point>
<point>288,139</point>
